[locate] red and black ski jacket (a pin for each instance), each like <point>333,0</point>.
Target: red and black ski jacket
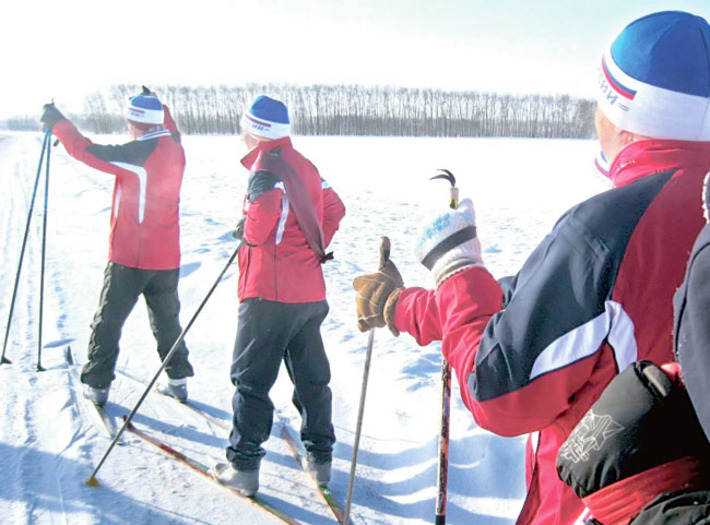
<point>533,352</point>
<point>277,262</point>
<point>145,225</point>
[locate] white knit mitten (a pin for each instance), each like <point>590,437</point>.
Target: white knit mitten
<point>448,244</point>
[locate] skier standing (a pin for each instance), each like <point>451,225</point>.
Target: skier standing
<point>290,216</point>
<point>533,352</point>
<point>144,243</point>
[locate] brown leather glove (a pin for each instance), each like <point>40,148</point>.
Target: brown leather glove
<point>377,293</point>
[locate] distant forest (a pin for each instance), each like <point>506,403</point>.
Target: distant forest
<point>351,110</point>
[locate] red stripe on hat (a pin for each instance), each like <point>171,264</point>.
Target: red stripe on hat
<point>259,122</point>
<point>618,87</point>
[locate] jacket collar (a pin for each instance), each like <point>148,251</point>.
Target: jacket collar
<point>264,147</point>
<point>646,157</point>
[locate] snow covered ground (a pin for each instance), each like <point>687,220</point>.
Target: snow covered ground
<point>50,443</point>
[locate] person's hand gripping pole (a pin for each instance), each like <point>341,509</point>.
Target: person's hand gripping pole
<point>377,293</point>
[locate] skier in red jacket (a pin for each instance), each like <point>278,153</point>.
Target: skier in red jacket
<point>534,351</point>
<point>144,241</point>
<point>290,215</point>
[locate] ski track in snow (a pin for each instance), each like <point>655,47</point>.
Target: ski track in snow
<point>50,441</point>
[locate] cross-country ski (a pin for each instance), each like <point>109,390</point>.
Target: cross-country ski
<point>98,413</point>
<point>205,471</point>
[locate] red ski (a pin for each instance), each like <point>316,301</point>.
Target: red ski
<point>205,471</point>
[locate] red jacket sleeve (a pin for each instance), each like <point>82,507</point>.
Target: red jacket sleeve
<point>333,213</point>
<point>468,299</point>
<point>169,123</point>
<point>81,148</point>
<point>417,314</point>
<point>466,302</point>
<point>469,307</point>
<point>262,216</point>
<point>461,309</point>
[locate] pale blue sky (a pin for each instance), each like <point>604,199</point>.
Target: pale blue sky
<point>65,50</point>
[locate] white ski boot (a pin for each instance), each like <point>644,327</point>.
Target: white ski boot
<point>245,481</point>
<point>98,396</point>
<point>176,388</point>
<point>320,471</point>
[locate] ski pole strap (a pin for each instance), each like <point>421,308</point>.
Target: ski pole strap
<point>448,244</point>
<point>301,203</point>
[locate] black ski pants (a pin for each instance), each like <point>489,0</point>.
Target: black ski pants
<point>268,333</point>
<point>121,289</point>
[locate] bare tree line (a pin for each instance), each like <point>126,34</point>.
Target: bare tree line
<point>354,110</point>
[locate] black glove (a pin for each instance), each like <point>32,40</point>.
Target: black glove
<point>642,420</point>
<point>147,91</point>
<point>50,116</point>
<point>238,232</point>
<point>377,294</point>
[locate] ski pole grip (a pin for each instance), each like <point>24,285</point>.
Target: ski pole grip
<point>454,202</point>
<point>384,251</point>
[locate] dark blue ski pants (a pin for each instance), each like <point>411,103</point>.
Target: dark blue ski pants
<point>121,289</point>
<point>268,333</point>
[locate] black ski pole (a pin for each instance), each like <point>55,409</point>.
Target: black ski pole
<point>44,251</point>
<point>92,482</point>
<point>358,428</point>
<point>47,139</point>
<point>384,257</point>
<point>443,466</point>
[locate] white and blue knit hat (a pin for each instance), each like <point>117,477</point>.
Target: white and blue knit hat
<point>145,109</point>
<point>267,118</point>
<point>655,77</point>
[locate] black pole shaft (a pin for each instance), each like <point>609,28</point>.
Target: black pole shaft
<point>92,479</point>
<point>47,138</point>
<point>358,428</point>
<point>44,252</point>
<point>442,481</point>
<point>385,247</point>
<point>443,466</point>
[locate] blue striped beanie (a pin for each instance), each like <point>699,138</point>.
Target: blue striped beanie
<point>655,77</point>
<point>145,109</point>
<point>267,118</point>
